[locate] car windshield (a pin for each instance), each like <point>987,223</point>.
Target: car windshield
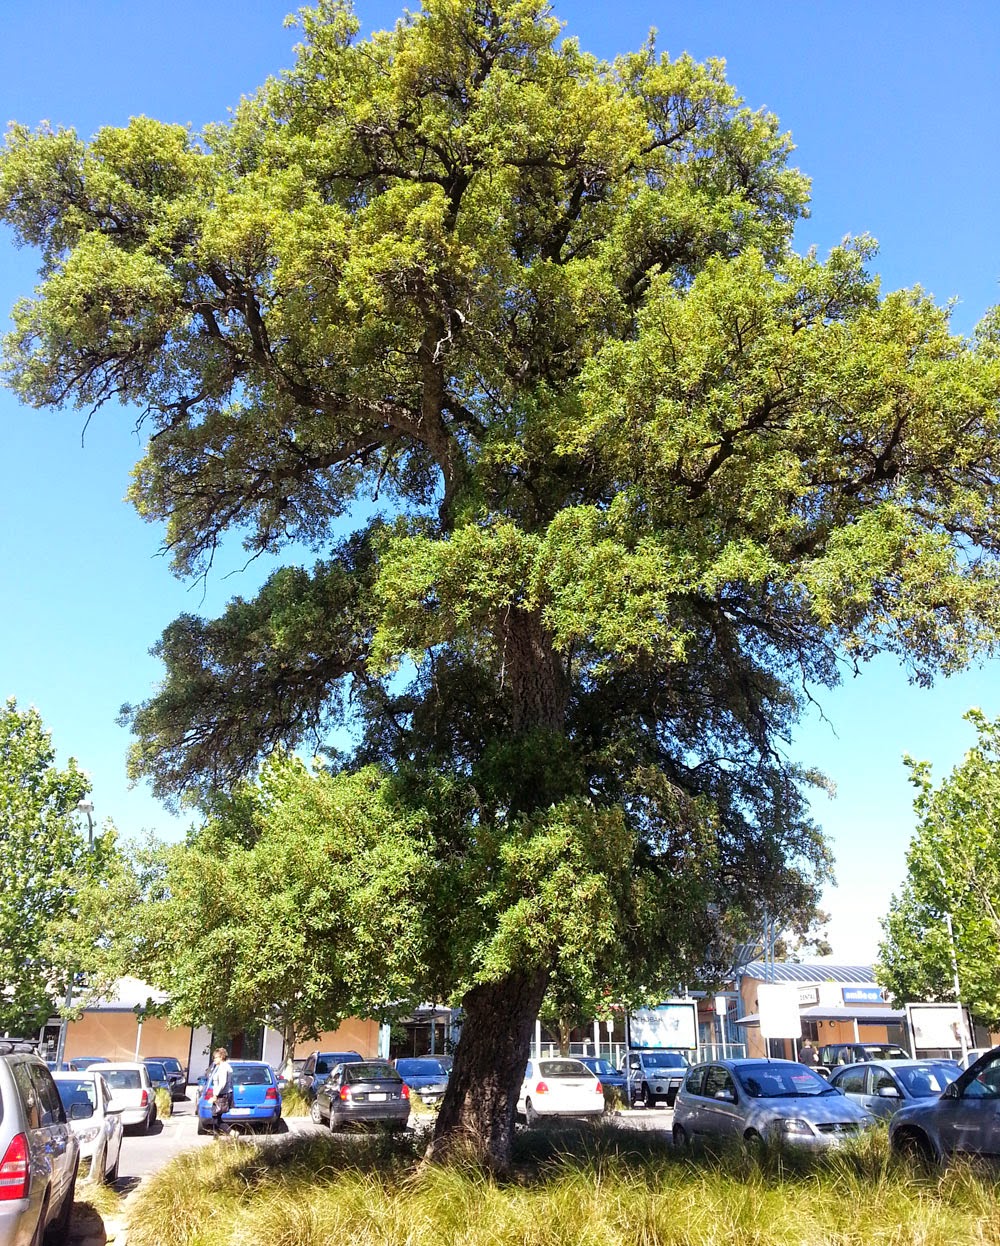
<point>329,1059</point>
<point>421,1068</point>
<point>562,1068</point>
<point>664,1060</point>
<point>924,1080</point>
<point>777,1081</point>
<point>370,1071</point>
<point>601,1066</point>
<point>124,1079</point>
<point>171,1065</point>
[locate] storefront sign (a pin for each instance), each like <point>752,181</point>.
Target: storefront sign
<point>863,995</point>
<point>808,995</point>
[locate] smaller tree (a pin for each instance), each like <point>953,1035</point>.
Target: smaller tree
<point>953,868</point>
<point>44,861</point>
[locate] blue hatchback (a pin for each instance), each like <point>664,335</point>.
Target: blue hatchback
<point>256,1099</point>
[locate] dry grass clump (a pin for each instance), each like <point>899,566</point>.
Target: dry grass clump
<point>594,1187</point>
<point>293,1101</point>
<point>164,1103</point>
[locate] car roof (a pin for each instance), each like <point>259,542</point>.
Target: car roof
<point>896,1064</point>
<point>76,1075</point>
<point>120,1064</point>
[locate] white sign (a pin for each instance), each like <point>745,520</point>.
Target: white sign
<point>778,1006</point>
<point>673,1024</point>
<point>936,1027</point>
<point>721,1005</point>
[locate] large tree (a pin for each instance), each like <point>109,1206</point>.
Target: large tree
<point>647,476</point>
<point>952,876</point>
<point>45,860</point>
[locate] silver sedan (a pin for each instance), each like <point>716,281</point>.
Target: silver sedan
<point>883,1087</point>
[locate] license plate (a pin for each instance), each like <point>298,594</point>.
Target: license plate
<point>378,1098</point>
<point>239,1111</point>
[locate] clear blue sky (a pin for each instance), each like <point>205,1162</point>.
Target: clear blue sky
<point>894,111</point>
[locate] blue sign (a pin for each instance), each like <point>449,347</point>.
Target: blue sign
<point>863,995</point>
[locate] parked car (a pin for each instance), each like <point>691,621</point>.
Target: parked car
<point>318,1067</point>
<point>288,1074</point>
<point>652,1075</point>
<point>424,1074</point>
<point>559,1086</point>
<point>157,1075</point>
<point>971,1056</point>
<point>131,1092</point>
<point>831,1055</point>
<point>86,1098</point>
<point>883,1087</point>
<point>759,1101</point>
<point>964,1118</point>
<point>39,1153</point>
<point>256,1099</point>
<point>79,1063</point>
<point>611,1079</point>
<point>362,1092</point>
<point>176,1074</point>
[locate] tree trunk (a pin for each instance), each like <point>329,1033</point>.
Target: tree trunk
<point>565,1029</point>
<point>476,1120</point>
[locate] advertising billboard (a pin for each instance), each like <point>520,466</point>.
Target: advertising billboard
<point>778,1006</point>
<point>938,1027</point>
<point>673,1023</point>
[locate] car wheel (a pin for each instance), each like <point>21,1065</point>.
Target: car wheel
<point>58,1231</point>
<point>315,1115</point>
<point>648,1098</point>
<point>753,1143</point>
<point>334,1123</point>
<point>681,1140</point>
<point>915,1147</point>
<point>530,1115</point>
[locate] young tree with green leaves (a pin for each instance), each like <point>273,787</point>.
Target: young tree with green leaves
<point>44,862</point>
<point>647,476</point>
<point>952,869</point>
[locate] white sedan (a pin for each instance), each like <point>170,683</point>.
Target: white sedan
<point>92,1117</point>
<point>131,1092</point>
<point>559,1086</point>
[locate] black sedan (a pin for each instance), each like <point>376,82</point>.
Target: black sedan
<point>424,1074</point>
<point>610,1078</point>
<point>367,1092</point>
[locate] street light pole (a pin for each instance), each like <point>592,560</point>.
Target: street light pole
<point>85,807</point>
<point>954,968</point>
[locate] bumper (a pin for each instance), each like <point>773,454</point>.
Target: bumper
<point>397,1113</point>
<point>134,1116</point>
<point>268,1115</point>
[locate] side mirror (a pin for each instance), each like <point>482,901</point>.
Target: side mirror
<point>727,1096</point>
<point>951,1091</point>
<point>888,1092</point>
<point>80,1111</point>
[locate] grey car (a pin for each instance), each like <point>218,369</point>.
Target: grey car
<point>964,1118</point>
<point>758,1101</point>
<point>365,1092</point>
<point>652,1075</point>
<point>39,1153</point>
<point>882,1087</point>
<point>424,1074</point>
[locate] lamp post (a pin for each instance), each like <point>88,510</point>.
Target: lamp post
<point>85,807</point>
<point>954,968</point>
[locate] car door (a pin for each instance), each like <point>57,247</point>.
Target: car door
<point>884,1094</point>
<point>633,1074</point>
<point>59,1141</point>
<point>853,1082</point>
<point>720,1111</point>
<point>968,1113</point>
<point>112,1124</point>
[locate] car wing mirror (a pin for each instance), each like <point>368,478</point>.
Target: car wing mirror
<point>727,1096</point>
<point>951,1091</point>
<point>80,1111</point>
<point>888,1092</point>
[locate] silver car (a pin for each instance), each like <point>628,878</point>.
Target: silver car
<point>39,1154</point>
<point>882,1087</point>
<point>964,1118</point>
<point>758,1101</point>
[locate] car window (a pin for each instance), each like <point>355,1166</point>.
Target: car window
<point>370,1071</point>
<point>251,1075</point>
<point>310,1065</point>
<point>851,1081</point>
<point>719,1083</point>
<point>29,1095</point>
<point>76,1092</point>
<point>664,1060</point>
<point>693,1081</point>
<point>123,1079</point>
<point>924,1080</point>
<point>562,1068</point>
<point>49,1102</point>
<point>421,1068</point>
<point>774,1080</point>
<point>986,1084</point>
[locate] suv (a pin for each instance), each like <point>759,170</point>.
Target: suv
<point>39,1153</point>
<point>652,1075</point>
<point>318,1067</point>
<point>834,1054</point>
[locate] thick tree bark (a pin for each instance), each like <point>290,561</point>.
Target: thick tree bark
<point>533,672</point>
<point>476,1120</point>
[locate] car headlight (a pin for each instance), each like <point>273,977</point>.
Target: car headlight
<point>793,1125</point>
<point>89,1134</point>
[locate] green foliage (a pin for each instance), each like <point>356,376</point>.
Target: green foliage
<point>164,1103</point>
<point>44,861</point>
<point>953,867</point>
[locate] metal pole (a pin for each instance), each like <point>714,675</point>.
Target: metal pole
<point>958,989</point>
<point>86,807</point>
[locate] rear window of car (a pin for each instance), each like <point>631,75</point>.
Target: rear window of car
<point>364,1071</point>
<point>251,1075</point>
<point>562,1068</point>
<point>664,1060</point>
<point>421,1068</point>
<point>123,1079</point>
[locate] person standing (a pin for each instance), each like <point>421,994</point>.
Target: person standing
<point>220,1082</point>
<point>807,1054</point>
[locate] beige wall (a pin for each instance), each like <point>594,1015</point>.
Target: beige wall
<point>353,1035</point>
<point>113,1034</point>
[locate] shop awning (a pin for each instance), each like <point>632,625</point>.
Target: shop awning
<point>859,1013</point>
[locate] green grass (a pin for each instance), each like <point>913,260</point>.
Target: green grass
<point>294,1102</point>
<point>599,1187</point>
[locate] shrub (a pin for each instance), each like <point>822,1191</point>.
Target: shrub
<point>164,1104</point>
<point>294,1102</point>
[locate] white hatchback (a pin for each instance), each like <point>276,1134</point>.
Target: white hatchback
<point>131,1092</point>
<point>559,1086</point>
<point>92,1117</point>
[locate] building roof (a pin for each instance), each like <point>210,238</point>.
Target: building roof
<point>809,972</point>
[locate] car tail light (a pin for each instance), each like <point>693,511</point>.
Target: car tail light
<point>599,1088</point>
<point>541,1089</point>
<point>345,1092</point>
<point>15,1176</point>
<point>145,1099</point>
<point>271,1092</point>
<point>405,1091</point>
